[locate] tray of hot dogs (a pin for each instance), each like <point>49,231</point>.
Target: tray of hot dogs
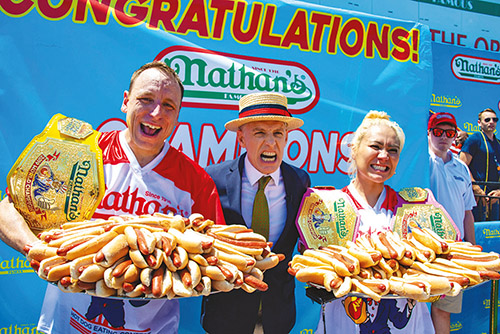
<point>384,265</point>
<point>152,256</point>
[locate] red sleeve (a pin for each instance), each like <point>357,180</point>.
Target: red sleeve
<point>207,201</point>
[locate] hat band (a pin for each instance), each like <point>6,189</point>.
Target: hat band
<point>264,110</point>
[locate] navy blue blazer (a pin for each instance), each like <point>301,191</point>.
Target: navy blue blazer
<point>236,311</point>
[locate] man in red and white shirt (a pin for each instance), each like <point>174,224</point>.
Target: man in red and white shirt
<point>143,174</point>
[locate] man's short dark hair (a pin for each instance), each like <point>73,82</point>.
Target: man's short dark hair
<point>161,66</point>
<point>485,110</point>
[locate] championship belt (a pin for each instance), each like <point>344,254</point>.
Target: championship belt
<point>419,210</point>
<point>59,176</point>
<point>326,217</point>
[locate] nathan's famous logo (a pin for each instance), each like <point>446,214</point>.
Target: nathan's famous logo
<point>491,233</point>
<point>445,101</point>
<point>476,69</point>
<point>455,326</point>
<point>76,189</point>
<point>16,265</point>
<point>340,221</point>
<point>219,80</point>
<point>438,224</point>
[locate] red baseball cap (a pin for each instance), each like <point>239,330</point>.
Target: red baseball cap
<point>440,118</point>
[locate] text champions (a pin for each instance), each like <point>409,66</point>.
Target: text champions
<point>307,30</point>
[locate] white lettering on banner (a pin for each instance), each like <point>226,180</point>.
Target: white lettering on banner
<point>333,153</point>
<point>323,151</point>
<point>214,149</point>
<point>297,139</point>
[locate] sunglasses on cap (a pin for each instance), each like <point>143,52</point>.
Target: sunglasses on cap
<point>450,133</point>
<point>488,119</point>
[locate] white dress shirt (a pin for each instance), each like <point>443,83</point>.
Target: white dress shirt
<point>275,194</point>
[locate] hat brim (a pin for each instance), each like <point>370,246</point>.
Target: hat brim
<point>291,122</point>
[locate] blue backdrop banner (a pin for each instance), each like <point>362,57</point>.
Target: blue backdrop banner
<point>76,58</point>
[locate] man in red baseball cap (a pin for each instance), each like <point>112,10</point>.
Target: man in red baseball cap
<point>451,184</point>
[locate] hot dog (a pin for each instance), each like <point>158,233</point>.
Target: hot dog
<point>101,290</point>
<point>481,261</point>
<point>439,285</point>
<point>413,289</point>
<point>430,239</point>
<point>54,268</point>
<point>344,288</point>
<point>389,250</point>
<point>192,241</point>
<point>320,276</point>
<point>422,253</point>
<point>85,270</point>
<point>112,251</point>
<point>228,247</point>
<point>179,288</point>
<point>204,288</point>
<point>366,257</point>
<point>39,251</point>
<point>270,261</point>
<point>68,284</point>
<point>373,288</point>
<point>165,241</point>
<point>91,246</point>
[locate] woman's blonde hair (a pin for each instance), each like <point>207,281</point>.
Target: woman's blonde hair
<point>373,118</point>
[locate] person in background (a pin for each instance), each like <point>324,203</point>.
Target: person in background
<point>375,150</point>
<point>456,146</point>
<point>262,129</point>
<point>139,160</point>
<point>481,153</point>
<point>451,185</point>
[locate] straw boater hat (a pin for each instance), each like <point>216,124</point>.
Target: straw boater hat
<point>264,107</point>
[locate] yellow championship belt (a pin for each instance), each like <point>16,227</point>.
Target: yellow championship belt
<point>421,211</point>
<point>59,175</point>
<point>326,217</point>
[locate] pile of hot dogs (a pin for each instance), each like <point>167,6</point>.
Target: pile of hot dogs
<point>152,256</point>
<point>417,267</point>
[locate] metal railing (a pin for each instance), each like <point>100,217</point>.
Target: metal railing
<point>490,213</point>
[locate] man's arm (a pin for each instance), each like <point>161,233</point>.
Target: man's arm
<point>466,157</point>
<point>469,230</point>
<point>13,228</point>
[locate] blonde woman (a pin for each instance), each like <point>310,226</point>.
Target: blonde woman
<point>376,148</point>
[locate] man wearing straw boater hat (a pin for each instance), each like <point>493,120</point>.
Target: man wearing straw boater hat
<point>260,191</point>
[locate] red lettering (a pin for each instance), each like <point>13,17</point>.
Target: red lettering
<point>221,8</point>
<point>195,19</point>
<point>267,37</point>
<point>334,33</point>
<point>163,17</point>
<point>151,207</point>
<point>459,39</point>
<point>376,42</point>
<point>241,35</point>
<point>114,197</point>
<point>483,40</point>
<point>354,26</point>
<point>433,34</point>
<point>320,21</point>
<point>297,32</point>
<point>99,9</point>
<point>139,13</point>
<point>401,50</point>
<point>16,8</point>
<point>58,12</point>
<point>136,200</point>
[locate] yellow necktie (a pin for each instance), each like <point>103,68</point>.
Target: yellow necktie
<point>260,214</point>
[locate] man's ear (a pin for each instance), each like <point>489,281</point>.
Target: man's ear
<point>241,138</point>
<point>125,102</point>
